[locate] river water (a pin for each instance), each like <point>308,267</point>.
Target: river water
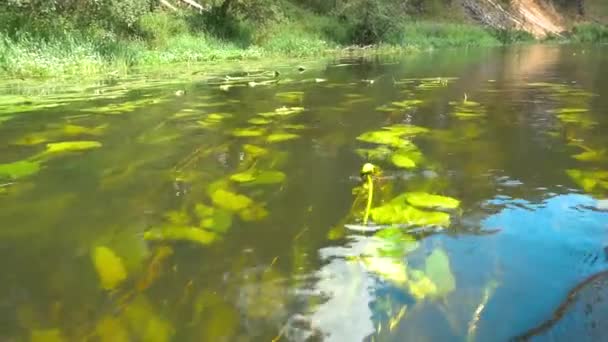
<point>226,204</point>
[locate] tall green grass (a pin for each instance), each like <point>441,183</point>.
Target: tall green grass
<point>161,38</point>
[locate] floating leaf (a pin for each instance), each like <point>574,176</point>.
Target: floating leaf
<point>391,242</point>
<point>388,268</point>
<point>438,270</point>
<point>72,146</point>
<point>428,201</point>
<point>291,96</point>
<point>253,213</point>
<point>230,201</point>
<point>392,213</point>
<point>179,218</point>
<point>379,153</point>
<point>407,130</point>
<point>591,156</point>
<point>398,211</point>
<point>247,132</point>
<point>259,177</point>
<point>283,111</point>
<point>294,126</point>
<point>259,121</point>
<point>384,138</point>
<point>19,169</point>
<point>403,160</point>
<point>254,151</point>
<point>219,221</point>
<point>590,181</point>
<point>278,137</point>
<point>109,266</point>
<point>407,103</point>
<point>191,234</point>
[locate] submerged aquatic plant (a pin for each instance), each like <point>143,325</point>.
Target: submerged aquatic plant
<point>367,172</point>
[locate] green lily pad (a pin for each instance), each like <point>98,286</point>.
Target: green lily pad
<point>399,211</point>
<point>407,130</point>
<point>217,220</point>
<point>248,132</point>
<point>428,201</point>
<point>283,111</point>
<point>379,153</point>
<point>191,234</point>
<point>294,126</point>
<point>591,156</point>
<point>259,177</point>
<point>255,151</point>
<point>392,242</point>
<point>384,138</point>
<point>403,160</point>
<point>19,169</point>
<point>253,213</point>
<point>109,266</point>
<point>393,213</point>
<point>437,269</point>
<point>230,201</point>
<point>388,268</point>
<point>291,96</point>
<point>407,103</point>
<point>279,137</point>
<point>590,181</point>
<point>259,121</point>
<point>72,146</point>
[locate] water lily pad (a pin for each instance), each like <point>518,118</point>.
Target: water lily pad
<point>255,151</point>
<point>248,132</point>
<point>279,137</point>
<point>388,268</point>
<point>216,220</point>
<point>437,269</point>
<point>72,146</point>
<point>109,266</point>
<point>283,111</point>
<point>191,234</point>
<point>403,160</point>
<point>385,137</point>
<point>291,96</point>
<point>379,153</point>
<point>259,177</point>
<point>19,169</point>
<point>253,213</point>
<point>395,213</point>
<point>391,242</point>
<point>591,156</point>
<point>407,103</point>
<point>407,130</point>
<point>230,201</point>
<point>259,121</point>
<point>428,201</point>
<point>294,126</point>
<point>590,181</point>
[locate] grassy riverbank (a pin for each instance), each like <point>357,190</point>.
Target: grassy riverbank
<point>65,47</point>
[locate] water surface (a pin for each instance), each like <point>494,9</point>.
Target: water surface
<point>192,206</point>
